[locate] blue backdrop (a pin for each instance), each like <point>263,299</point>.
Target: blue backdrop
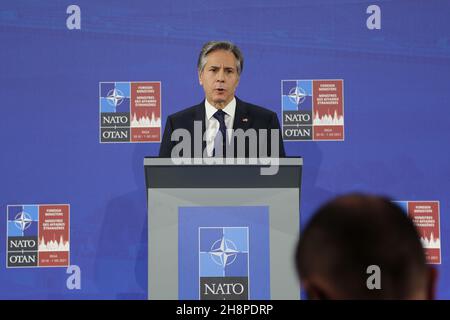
<point>396,89</point>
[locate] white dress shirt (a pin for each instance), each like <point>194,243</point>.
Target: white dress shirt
<point>212,124</point>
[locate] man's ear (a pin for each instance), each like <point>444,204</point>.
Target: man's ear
<point>200,78</point>
<point>432,282</point>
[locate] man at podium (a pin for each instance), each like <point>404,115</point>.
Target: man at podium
<point>222,124</point>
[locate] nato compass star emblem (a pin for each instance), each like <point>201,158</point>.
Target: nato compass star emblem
<point>22,221</point>
<point>115,97</point>
<point>223,252</point>
<point>297,95</point>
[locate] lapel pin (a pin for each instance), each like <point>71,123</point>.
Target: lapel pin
<point>244,119</point>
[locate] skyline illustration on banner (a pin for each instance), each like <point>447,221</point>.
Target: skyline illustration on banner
<point>426,217</point>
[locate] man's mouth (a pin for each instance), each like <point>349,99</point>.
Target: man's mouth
<point>219,90</point>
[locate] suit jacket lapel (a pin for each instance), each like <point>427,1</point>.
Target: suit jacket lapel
<point>200,115</point>
<point>241,117</point>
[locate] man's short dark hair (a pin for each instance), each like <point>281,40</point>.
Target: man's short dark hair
<point>220,45</point>
<point>352,232</point>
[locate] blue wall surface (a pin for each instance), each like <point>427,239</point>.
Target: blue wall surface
<point>396,89</point>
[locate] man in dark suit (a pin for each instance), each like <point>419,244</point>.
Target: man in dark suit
<point>222,124</point>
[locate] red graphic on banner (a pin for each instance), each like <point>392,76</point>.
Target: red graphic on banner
<point>54,242</point>
<point>425,215</point>
<point>145,111</point>
<point>328,110</point>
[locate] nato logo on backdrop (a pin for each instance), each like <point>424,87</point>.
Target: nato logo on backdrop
<point>313,110</point>
<point>223,263</point>
<point>38,235</point>
<point>130,112</point>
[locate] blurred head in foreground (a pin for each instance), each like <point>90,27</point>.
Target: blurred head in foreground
<point>363,247</point>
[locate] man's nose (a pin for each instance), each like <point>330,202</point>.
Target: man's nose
<point>220,75</point>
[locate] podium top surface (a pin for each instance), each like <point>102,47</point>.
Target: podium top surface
<point>156,161</point>
<point>232,173</point>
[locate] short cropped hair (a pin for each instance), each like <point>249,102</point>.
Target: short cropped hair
<point>350,233</point>
<point>220,45</point>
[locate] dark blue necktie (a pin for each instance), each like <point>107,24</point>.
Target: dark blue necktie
<point>220,116</point>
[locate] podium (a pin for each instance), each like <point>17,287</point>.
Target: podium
<point>222,231</point>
